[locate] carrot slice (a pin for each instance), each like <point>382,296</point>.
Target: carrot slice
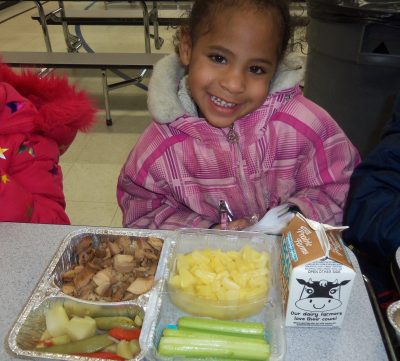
<point>120,333</point>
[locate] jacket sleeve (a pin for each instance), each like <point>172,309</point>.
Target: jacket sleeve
<point>146,200</point>
<point>153,209</point>
<point>373,206</point>
<point>31,182</point>
<point>322,197</point>
<point>326,160</point>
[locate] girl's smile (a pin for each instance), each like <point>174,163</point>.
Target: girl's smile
<point>222,108</point>
<point>231,64</point>
<point>222,103</point>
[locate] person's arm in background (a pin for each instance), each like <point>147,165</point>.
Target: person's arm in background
<point>39,119</point>
<point>373,204</point>
<point>31,187</point>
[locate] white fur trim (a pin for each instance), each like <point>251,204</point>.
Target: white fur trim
<point>162,100</point>
<point>290,72</point>
<point>185,97</point>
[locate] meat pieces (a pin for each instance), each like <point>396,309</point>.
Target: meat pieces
<point>118,269</point>
<point>141,285</point>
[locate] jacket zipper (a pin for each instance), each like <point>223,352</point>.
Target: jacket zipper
<point>241,173</point>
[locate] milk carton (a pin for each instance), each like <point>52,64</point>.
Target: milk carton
<point>316,274</point>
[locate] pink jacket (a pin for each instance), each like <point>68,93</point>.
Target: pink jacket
<point>39,119</point>
<point>289,150</point>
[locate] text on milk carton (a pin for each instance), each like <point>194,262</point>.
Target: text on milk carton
<point>316,274</point>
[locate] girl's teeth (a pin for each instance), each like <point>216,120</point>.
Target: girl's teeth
<point>222,103</point>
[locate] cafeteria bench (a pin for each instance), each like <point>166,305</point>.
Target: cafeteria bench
<point>132,17</point>
<point>103,61</point>
<point>145,17</point>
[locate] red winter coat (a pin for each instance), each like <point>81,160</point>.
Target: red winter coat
<point>39,119</point>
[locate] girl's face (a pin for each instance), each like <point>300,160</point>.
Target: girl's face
<point>231,66</point>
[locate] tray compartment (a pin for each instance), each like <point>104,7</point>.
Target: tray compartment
<point>69,259</point>
<point>33,326</point>
<point>30,324</point>
<point>162,312</point>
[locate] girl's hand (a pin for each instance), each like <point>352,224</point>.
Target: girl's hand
<point>236,225</point>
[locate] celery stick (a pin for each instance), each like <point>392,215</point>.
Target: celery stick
<point>255,329</point>
<point>187,347</point>
<point>186,333</point>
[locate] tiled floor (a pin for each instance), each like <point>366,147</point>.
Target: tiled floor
<point>92,164</point>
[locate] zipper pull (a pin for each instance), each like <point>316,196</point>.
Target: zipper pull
<point>232,137</point>
<point>225,214</point>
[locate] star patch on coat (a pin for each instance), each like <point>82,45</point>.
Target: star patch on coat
<point>2,151</point>
<point>14,106</point>
<point>26,147</point>
<point>4,178</point>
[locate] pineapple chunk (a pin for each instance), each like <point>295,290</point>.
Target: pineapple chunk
<point>124,350</point>
<point>229,284</point>
<point>217,264</point>
<point>204,291</point>
<point>187,279</point>
<point>200,257</point>
<point>226,276</point>
<point>80,328</point>
<point>204,276</point>
<point>56,320</point>
<point>182,263</point>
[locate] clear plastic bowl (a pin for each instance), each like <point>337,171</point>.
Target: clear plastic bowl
<point>190,241</point>
<point>162,312</point>
<point>224,310</point>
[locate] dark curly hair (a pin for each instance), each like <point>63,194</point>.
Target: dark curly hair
<point>203,13</point>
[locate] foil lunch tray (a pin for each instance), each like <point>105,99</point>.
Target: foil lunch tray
<point>161,312</point>
<point>30,324</point>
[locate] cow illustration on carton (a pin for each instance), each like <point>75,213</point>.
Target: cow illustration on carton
<point>316,274</point>
<point>320,296</point>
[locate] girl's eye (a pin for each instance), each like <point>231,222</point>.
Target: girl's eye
<point>257,70</point>
<point>218,59</point>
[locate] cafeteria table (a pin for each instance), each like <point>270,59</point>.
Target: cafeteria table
<point>27,249</point>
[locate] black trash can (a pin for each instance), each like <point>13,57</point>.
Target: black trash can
<point>353,64</point>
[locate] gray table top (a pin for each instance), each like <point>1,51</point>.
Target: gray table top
<point>27,249</point>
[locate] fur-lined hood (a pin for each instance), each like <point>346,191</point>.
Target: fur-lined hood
<point>56,109</point>
<point>166,103</point>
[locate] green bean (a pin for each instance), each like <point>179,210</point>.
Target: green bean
<point>107,323</point>
<point>91,344</point>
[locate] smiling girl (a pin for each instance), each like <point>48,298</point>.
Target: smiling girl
<point>231,123</point>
